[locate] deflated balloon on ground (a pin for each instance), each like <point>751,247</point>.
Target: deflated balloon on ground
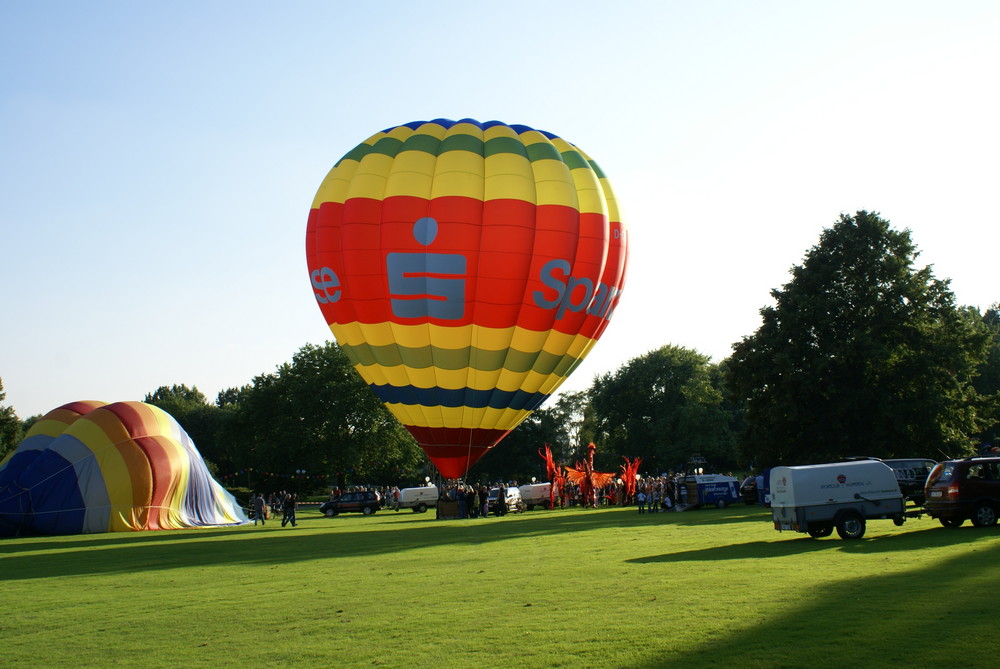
<point>95,467</point>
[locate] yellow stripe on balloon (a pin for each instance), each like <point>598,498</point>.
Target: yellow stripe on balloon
<point>455,379</point>
<point>458,417</point>
<point>336,184</point>
<point>113,467</point>
<point>48,427</point>
<point>412,174</point>
<point>490,339</point>
<point>417,173</point>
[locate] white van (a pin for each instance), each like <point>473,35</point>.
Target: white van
<point>842,495</point>
<point>536,494</point>
<point>514,502</point>
<point>418,499</point>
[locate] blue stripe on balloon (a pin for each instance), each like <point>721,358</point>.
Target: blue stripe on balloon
<point>41,495</point>
<point>447,123</point>
<point>460,397</point>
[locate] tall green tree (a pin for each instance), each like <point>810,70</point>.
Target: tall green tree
<point>516,457</point>
<point>568,415</point>
<point>664,407</point>
<point>988,382</point>
<point>10,426</point>
<point>176,399</point>
<point>316,415</point>
<point>862,353</point>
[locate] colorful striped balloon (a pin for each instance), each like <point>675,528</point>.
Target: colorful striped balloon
<point>466,269</point>
<point>94,467</point>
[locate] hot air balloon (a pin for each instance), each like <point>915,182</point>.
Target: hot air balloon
<point>466,269</point>
<point>93,467</point>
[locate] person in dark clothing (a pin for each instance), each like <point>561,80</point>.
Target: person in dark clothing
<point>470,502</point>
<point>502,500</point>
<point>258,509</point>
<point>288,509</point>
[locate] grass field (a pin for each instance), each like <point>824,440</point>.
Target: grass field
<point>570,588</point>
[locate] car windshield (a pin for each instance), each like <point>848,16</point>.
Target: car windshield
<point>942,473</point>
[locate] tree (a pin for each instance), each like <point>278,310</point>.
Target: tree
<point>516,456</point>
<point>987,383</point>
<point>567,417</point>
<point>176,399</point>
<point>861,354</point>
<point>664,407</point>
<point>315,414</point>
<point>10,426</point>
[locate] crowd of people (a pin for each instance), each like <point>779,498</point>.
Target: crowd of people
<point>652,494</point>
<point>263,509</point>
<point>473,501</point>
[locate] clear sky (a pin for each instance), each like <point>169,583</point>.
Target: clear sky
<point>158,160</point>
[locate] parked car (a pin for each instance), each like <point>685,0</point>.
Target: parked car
<point>360,501</point>
<point>911,474</point>
<point>514,502</point>
<point>960,490</point>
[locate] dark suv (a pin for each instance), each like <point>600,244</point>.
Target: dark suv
<point>960,489</point>
<point>364,501</point>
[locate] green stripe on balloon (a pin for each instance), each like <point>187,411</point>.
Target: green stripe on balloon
<point>470,357</point>
<point>390,146</point>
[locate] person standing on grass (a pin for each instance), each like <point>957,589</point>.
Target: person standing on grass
<point>641,498</point>
<point>484,499</point>
<point>288,509</point>
<point>258,509</point>
<point>502,500</point>
<point>471,501</point>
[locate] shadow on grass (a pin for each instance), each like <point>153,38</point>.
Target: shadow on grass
<point>790,543</point>
<point>386,534</point>
<point>39,557</point>
<point>930,616</point>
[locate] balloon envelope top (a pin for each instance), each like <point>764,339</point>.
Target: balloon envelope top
<point>466,269</point>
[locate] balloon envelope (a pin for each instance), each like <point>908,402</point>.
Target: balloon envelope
<point>466,269</point>
<point>93,467</point>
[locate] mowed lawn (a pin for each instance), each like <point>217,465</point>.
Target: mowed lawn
<point>571,588</point>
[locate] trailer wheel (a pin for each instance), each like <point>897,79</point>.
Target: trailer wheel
<point>951,522</point>
<point>820,531</point>
<point>898,520</point>
<point>851,526</point>
<point>420,508</point>
<point>721,504</point>
<point>984,515</point>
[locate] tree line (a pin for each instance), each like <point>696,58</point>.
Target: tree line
<point>862,352</point>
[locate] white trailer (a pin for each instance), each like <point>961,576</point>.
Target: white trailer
<point>536,494</point>
<point>818,498</point>
<point>418,499</point>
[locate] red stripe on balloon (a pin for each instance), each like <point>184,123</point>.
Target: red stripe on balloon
<point>506,243</point>
<point>162,474</point>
